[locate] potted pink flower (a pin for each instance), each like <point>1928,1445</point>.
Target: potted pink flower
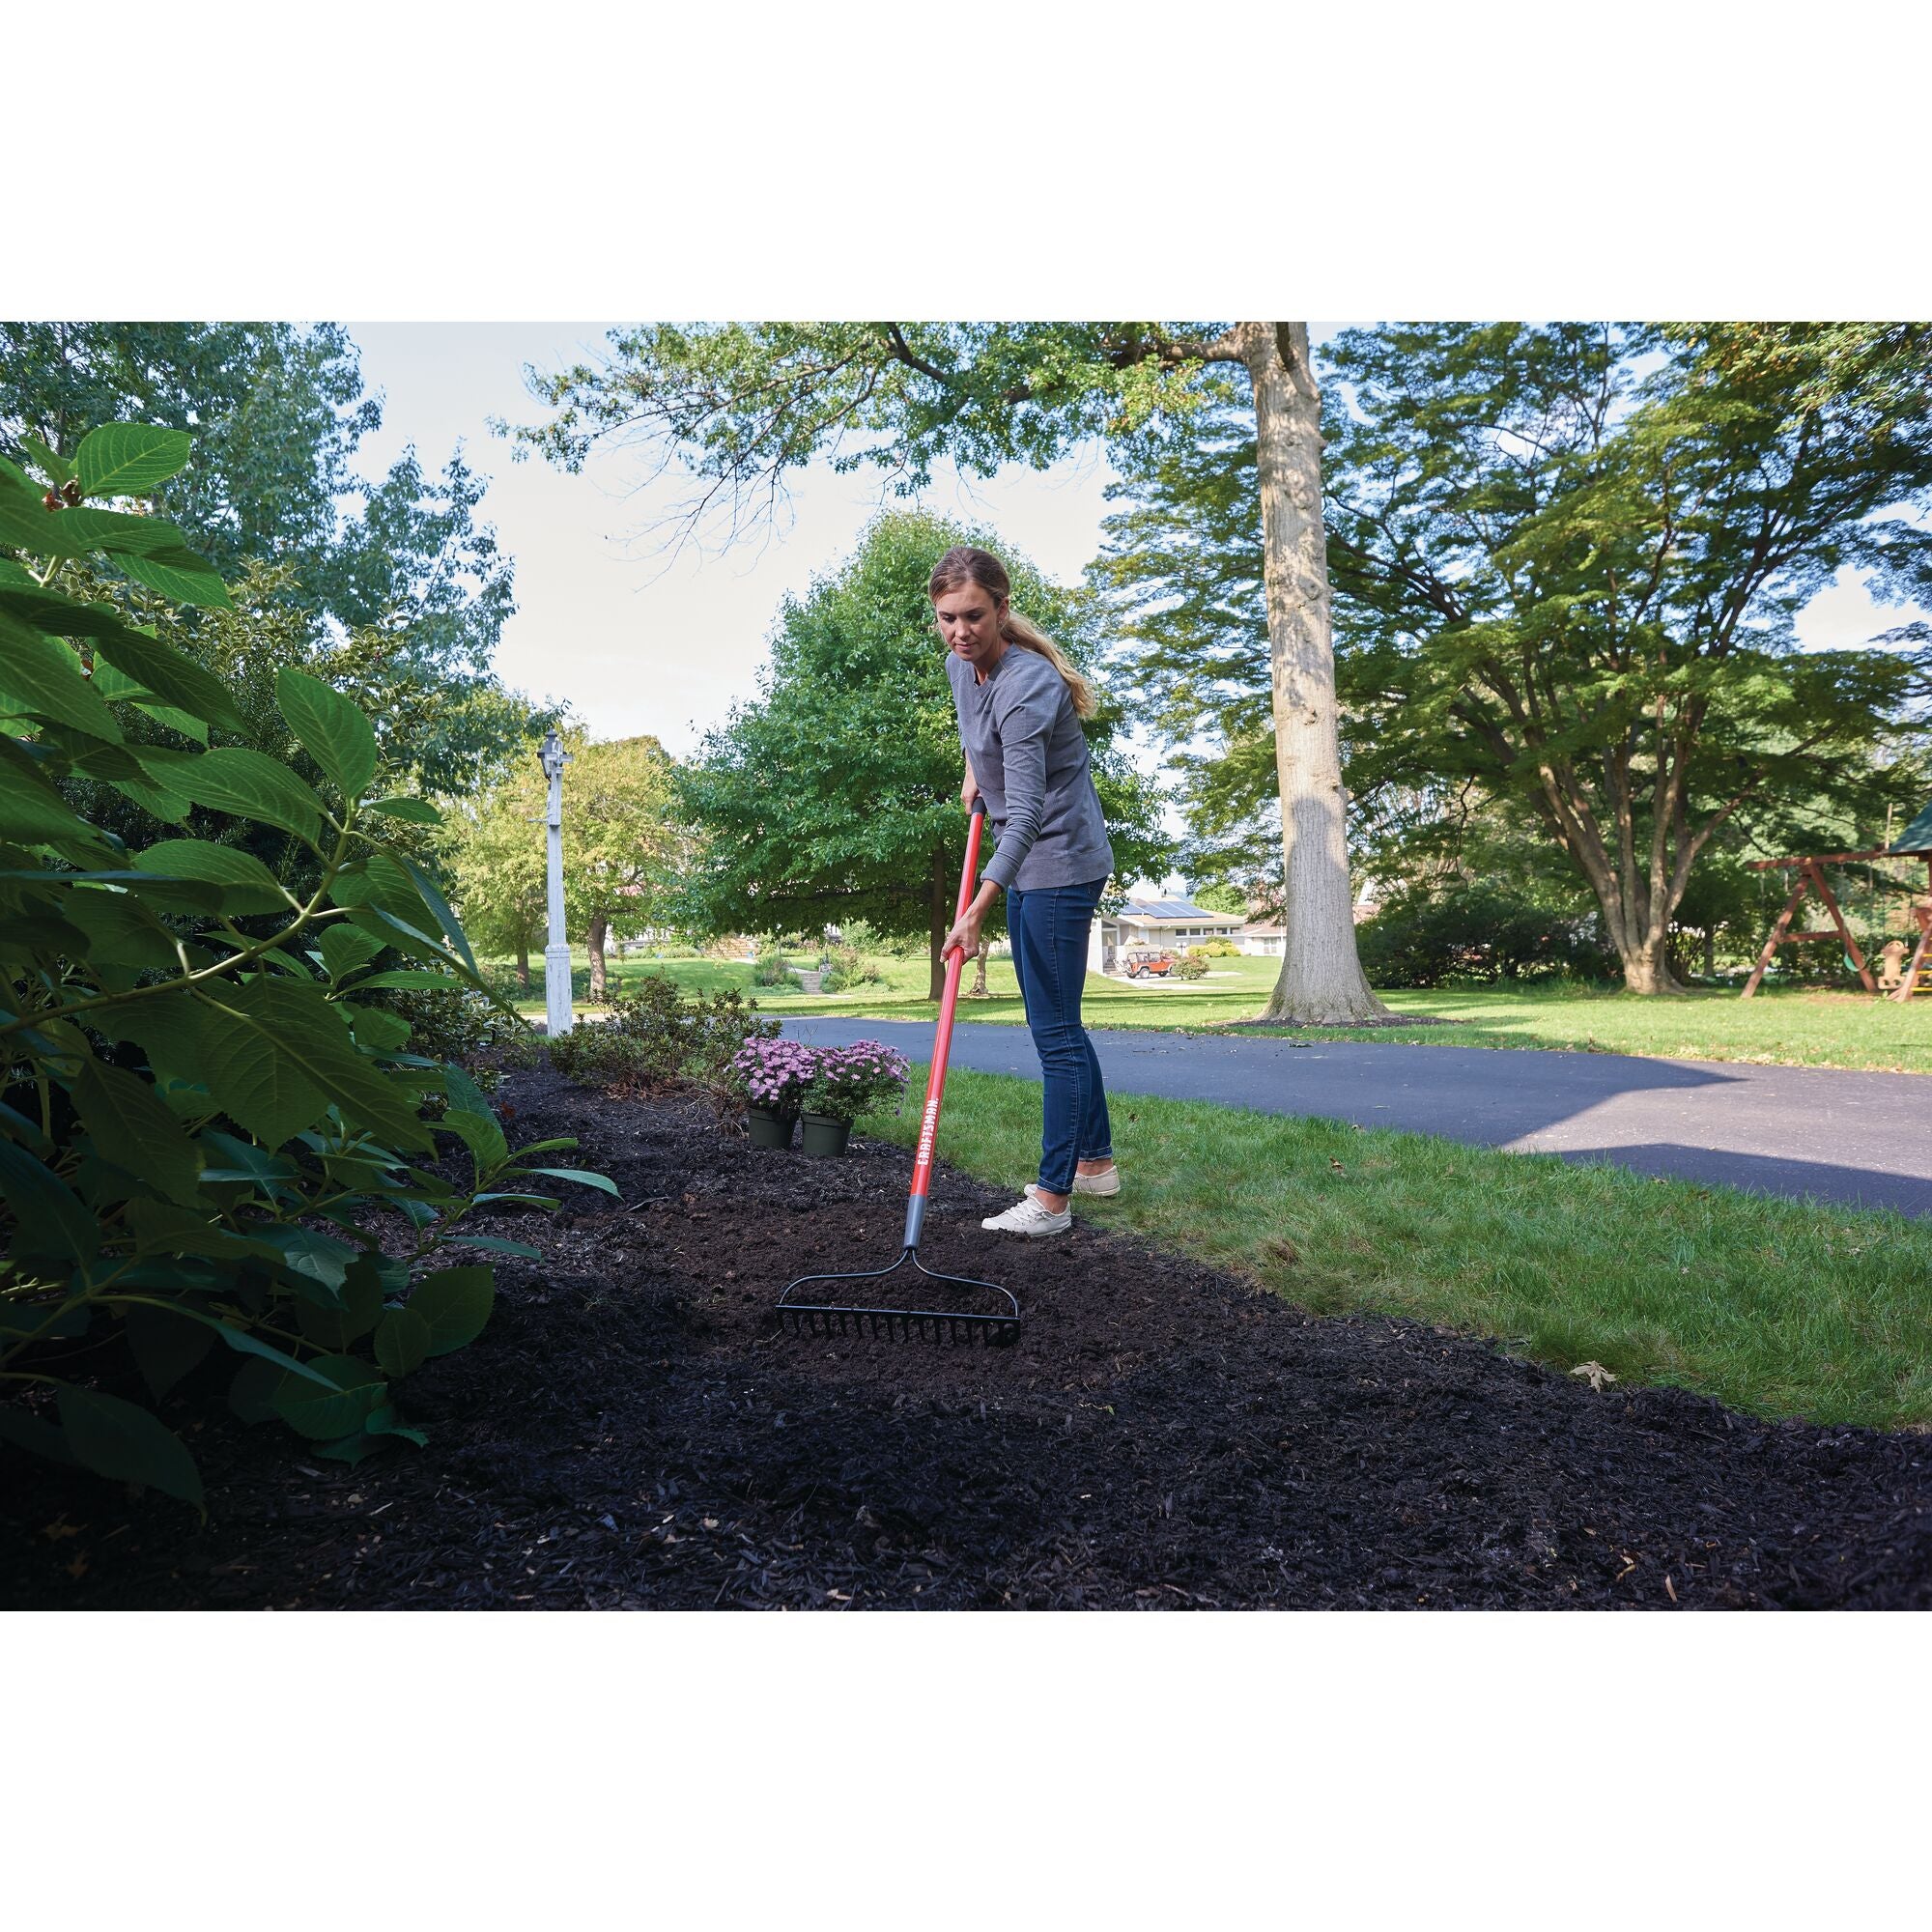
<point>773,1075</point>
<point>849,1081</point>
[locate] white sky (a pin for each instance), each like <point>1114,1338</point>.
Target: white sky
<point>637,642</point>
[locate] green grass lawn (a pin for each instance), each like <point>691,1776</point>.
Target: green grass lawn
<point>1787,1027</point>
<point>1773,1307</point>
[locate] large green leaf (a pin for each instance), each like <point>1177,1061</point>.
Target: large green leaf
<point>251,1395</point>
<point>312,1256</point>
<point>42,679</point>
<point>172,676</point>
<point>409,975</point>
<point>246,1344</point>
<point>252,785</point>
<point>117,687</point>
<point>432,897</point>
<point>137,771</point>
<point>152,668</point>
<point>415,811</point>
<point>455,1302</point>
<point>57,467</point>
<point>129,459</point>
<point>314,1412</point>
<point>269,1091</point>
<point>50,1223</point>
<point>129,1125</point>
<point>165,1344</point>
<point>169,1027</point>
<point>120,931</point>
<point>403,1340</point>
<point>360,1308</point>
<point>26,525</point>
<point>78,533</point>
<point>175,720</point>
<point>379,880</point>
<point>247,885</point>
<point>184,578</point>
<point>118,1439</point>
<point>377,1028</point>
<point>283,1043</point>
<point>461,1091</point>
<point>344,948</point>
<point>481,1135</point>
<point>28,1432</point>
<point>582,1175</point>
<point>32,812</point>
<point>332,731</point>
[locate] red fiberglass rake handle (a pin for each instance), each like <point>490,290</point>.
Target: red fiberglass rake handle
<point>942,1041</point>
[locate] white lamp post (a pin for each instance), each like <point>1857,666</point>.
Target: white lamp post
<point>557,952</point>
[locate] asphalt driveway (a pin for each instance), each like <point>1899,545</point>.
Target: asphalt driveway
<point>1863,1139</point>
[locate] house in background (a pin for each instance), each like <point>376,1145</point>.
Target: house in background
<point>1154,922</point>
<point>1264,938</point>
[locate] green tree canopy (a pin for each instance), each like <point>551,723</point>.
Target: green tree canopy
<point>1567,563</point>
<point>835,796</point>
<point>619,845</point>
<point>395,583</point>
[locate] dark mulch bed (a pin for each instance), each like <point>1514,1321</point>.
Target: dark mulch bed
<point>632,1431</point>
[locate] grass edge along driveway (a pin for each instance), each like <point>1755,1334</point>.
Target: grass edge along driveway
<point>1774,1308</point>
<point>1782,1027</point>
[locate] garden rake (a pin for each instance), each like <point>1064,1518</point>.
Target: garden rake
<point>814,1312</point>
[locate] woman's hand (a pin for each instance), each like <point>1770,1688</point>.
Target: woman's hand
<point>965,932</point>
<point>969,790</point>
<point>965,935</point>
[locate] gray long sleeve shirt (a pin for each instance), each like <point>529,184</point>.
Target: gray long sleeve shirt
<point>1023,739</point>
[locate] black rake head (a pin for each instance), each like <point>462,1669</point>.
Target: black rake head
<point>822,1316</point>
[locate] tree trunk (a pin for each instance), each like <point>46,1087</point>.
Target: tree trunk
<point>939,903</point>
<point>599,926</point>
<point>980,976</point>
<point>1321,981</point>
<point>1647,967</point>
<point>523,965</point>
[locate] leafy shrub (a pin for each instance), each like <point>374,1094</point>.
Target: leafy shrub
<point>657,1040</point>
<point>849,968</point>
<point>1219,949</point>
<point>1471,932</point>
<point>771,968</point>
<point>1190,966</point>
<point>485,1036</point>
<point>197,1069</point>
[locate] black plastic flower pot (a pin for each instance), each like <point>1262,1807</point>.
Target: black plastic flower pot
<point>823,1135</point>
<point>771,1126</point>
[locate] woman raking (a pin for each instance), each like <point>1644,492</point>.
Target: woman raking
<point>1019,704</point>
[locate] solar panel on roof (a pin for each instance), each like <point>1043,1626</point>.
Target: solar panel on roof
<point>1171,909</point>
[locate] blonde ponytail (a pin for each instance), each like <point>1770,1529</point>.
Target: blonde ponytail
<point>1025,633</point>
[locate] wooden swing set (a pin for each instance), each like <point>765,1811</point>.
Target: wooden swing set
<point>1915,842</point>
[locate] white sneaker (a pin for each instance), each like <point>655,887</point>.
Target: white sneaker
<point>1026,1216</point>
<point>1089,1183</point>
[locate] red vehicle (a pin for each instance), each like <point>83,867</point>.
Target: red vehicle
<point>1146,961</point>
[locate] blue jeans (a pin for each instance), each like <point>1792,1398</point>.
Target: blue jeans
<point>1049,930</point>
